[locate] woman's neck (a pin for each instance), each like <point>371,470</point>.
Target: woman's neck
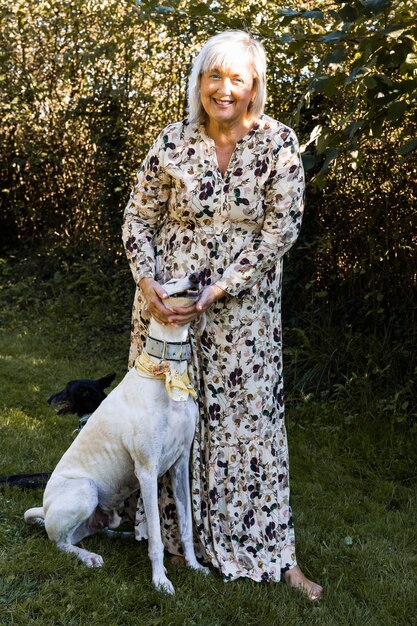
<point>227,135</point>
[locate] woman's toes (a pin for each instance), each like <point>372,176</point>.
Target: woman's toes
<point>315,592</point>
<point>295,578</point>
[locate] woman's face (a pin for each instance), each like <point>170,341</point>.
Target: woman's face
<point>226,93</point>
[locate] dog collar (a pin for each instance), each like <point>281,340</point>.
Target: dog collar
<point>83,421</point>
<point>168,350</point>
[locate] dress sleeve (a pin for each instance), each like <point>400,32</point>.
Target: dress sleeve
<point>145,210</point>
<point>284,203</point>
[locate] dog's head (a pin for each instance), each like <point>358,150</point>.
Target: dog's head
<point>81,397</point>
<point>182,291</point>
<point>185,292</point>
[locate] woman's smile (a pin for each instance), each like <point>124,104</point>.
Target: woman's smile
<point>222,102</point>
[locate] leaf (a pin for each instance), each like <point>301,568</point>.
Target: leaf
<point>286,20</point>
<point>395,34</point>
<point>320,180</point>
<point>376,6</point>
<point>349,13</point>
<point>370,82</point>
<point>326,85</point>
<point>336,35</point>
<point>336,56</point>
<point>313,15</point>
<point>375,129</point>
<point>164,9</point>
<point>296,45</point>
<point>411,59</point>
<point>199,9</point>
<point>396,110</point>
<point>287,38</point>
<point>408,146</point>
<point>331,155</point>
<point>322,143</point>
<point>357,73</point>
<point>309,160</point>
<point>315,133</point>
<point>353,127</point>
<point>288,12</point>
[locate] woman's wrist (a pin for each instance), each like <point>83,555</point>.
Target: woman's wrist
<point>146,280</point>
<point>218,292</point>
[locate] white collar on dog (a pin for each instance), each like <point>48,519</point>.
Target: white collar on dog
<point>168,350</point>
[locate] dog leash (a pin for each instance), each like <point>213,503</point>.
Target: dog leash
<point>178,385</point>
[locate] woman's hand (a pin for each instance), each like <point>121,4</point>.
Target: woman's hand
<point>154,295</point>
<point>210,294</point>
<point>186,314</point>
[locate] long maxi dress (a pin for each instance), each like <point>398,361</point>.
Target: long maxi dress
<point>184,216</point>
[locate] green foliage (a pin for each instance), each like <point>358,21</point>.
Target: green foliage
<point>87,86</point>
<point>363,63</point>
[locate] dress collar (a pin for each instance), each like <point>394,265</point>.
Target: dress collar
<point>251,132</point>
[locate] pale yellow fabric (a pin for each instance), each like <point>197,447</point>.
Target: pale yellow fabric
<point>178,385</point>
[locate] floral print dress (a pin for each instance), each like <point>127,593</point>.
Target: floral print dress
<point>185,216</point>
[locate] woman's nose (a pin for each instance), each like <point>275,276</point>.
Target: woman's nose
<point>224,86</point>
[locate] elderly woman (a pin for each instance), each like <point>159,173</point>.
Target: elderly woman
<point>221,193</point>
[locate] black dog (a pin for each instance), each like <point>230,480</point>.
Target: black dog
<point>80,397</point>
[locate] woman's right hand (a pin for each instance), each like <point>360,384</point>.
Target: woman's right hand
<point>154,295</point>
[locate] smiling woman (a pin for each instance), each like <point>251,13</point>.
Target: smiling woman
<point>229,51</point>
<point>227,93</point>
<point>226,96</point>
<point>221,193</point>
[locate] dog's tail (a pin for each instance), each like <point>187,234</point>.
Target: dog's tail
<point>34,516</point>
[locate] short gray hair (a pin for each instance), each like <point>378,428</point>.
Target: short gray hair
<point>217,52</point>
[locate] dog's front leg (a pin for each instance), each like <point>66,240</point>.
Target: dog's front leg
<point>149,491</point>
<point>179,473</point>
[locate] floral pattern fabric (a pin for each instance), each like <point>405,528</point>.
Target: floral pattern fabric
<point>185,216</point>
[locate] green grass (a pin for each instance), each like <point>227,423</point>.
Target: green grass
<point>353,493</point>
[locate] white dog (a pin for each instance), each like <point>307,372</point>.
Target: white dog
<point>144,428</point>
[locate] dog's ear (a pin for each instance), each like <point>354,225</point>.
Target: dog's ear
<point>106,381</point>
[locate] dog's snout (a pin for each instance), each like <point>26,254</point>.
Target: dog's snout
<point>194,278</point>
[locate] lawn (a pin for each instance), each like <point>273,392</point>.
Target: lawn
<point>353,491</point>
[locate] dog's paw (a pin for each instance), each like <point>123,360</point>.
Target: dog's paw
<point>162,583</point>
<point>199,568</point>
<point>93,560</point>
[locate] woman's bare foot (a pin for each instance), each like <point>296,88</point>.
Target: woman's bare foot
<point>295,578</point>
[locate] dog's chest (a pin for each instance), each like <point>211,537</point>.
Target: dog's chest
<point>176,433</point>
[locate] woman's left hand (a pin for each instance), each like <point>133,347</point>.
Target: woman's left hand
<point>186,314</point>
